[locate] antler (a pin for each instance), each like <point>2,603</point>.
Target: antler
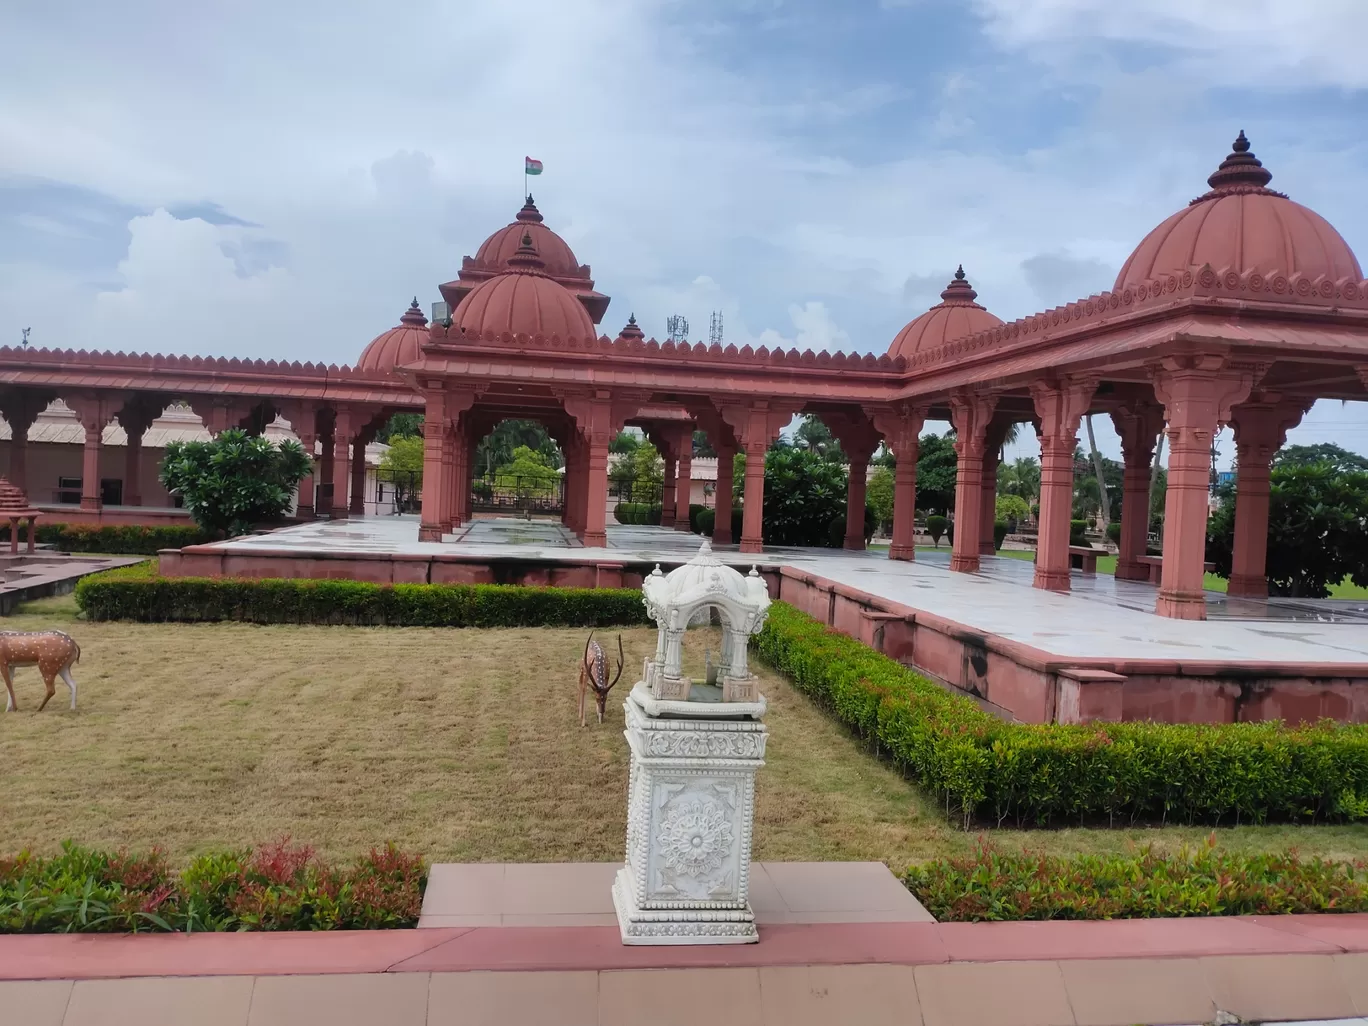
<point>587,642</point>
<point>621,662</point>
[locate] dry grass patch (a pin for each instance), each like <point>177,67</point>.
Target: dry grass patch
<point>461,744</point>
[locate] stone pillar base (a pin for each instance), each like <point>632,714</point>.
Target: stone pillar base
<point>854,544</point>
<point>430,532</point>
<point>751,545</point>
<point>902,552</point>
<point>987,548</point>
<point>595,539</point>
<point>1181,607</point>
<point>1248,585</point>
<point>692,926</point>
<point>965,563</point>
<point>1051,580</point>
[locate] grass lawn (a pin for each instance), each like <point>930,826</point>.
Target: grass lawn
<point>460,744</point>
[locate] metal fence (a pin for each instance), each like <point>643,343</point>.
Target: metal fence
<point>511,494</point>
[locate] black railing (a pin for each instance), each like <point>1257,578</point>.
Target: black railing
<point>510,494</point>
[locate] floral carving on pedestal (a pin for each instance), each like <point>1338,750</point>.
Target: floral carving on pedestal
<point>695,835</point>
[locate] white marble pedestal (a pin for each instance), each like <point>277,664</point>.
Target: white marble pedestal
<point>691,808</point>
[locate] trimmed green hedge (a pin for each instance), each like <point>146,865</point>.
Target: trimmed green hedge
<point>987,769</point>
<point>137,593</point>
<point>124,539</point>
<point>277,886</point>
<point>995,885</point>
<point>638,513</point>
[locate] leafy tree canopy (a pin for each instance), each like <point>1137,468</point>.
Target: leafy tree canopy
<point>1324,452</point>
<point>235,481</point>
<point>496,448</point>
<point>528,472</point>
<point>624,442</point>
<point>804,493</point>
<point>936,469</point>
<point>639,474</point>
<point>702,446</point>
<point>1317,528</point>
<point>401,425</point>
<point>1020,477</point>
<point>879,494</point>
<point>814,436</point>
<point>405,453</point>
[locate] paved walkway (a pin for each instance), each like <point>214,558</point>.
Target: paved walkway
<point>1102,618</point>
<point>1004,974</point>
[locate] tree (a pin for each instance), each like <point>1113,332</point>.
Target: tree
<point>1317,528</point>
<point>405,454</point>
<point>937,465</point>
<point>814,436</point>
<point>527,474</point>
<point>235,481</point>
<point>1012,508</point>
<point>701,445</point>
<point>1325,452</point>
<point>624,442</point>
<point>401,425</point>
<point>639,475</point>
<point>1099,474</point>
<point>1020,477</point>
<point>804,493</point>
<point>879,495</point>
<point>496,448</point>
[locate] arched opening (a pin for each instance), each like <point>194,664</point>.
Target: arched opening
<point>518,469</point>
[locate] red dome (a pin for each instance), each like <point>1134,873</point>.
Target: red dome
<point>1243,225</point>
<point>495,256</point>
<point>955,316</point>
<point>557,256</point>
<point>397,346</point>
<point>522,300</point>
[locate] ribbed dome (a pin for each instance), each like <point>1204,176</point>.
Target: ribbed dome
<point>556,255</point>
<point>1243,225</point>
<point>955,316</point>
<point>522,300</point>
<point>399,345</point>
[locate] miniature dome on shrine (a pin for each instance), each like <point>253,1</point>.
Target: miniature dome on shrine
<point>400,345</point>
<point>522,300</point>
<point>1243,225</point>
<point>631,331</point>
<point>955,316</point>
<point>496,254</point>
<point>688,595</point>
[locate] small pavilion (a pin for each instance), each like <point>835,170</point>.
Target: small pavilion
<point>1242,308</point>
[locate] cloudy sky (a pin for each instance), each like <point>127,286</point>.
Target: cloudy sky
<point>275,179</point>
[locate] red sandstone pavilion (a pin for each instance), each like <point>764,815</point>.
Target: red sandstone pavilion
<point>1242,308</point>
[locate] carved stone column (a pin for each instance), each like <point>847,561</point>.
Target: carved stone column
<point>358,474</point>
<point>667,488</point>
<point>1198,391</point>
<point>856,486</point>
<point>1060,405</point>
<point>1138,424</point>
<point>435,430</point>
<point>992,456</point>
<point>971,413</point>
<point>1261,427</point>
<point>722,495</point>
<point>684,478</point>
<point>95,412</point>
<point>755,426</point>
<point>901,428</point>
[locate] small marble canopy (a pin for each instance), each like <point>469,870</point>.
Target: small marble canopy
<point>687,593</point>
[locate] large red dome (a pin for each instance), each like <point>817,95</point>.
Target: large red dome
<point>496,253</point>
<point>522,300</point>
<point>399,345</point>
<point>955,316</point>
<point>1243,225</point>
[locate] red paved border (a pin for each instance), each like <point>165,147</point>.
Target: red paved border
<point>92,956</point>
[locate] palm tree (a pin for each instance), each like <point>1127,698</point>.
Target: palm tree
<point>1101,479</point>
<point>1020,477</point>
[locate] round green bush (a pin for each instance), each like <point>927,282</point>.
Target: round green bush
<point>936,527</point>
<point>1000,528</point>
<point>1114,532</point>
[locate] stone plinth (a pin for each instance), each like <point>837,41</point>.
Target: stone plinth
<point>691,809</point>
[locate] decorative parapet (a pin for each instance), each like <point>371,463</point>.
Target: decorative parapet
<point>1197,282</point>
<point>440,335</point>
<point>85,359</point>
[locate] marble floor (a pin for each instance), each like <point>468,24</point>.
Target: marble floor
<point>1102,617</point>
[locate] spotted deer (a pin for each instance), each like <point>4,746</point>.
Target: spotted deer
<point>594,674</point>
<point>51,651</point>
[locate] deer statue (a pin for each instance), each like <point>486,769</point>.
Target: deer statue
<point>594,674</point>
<point>51,651</point>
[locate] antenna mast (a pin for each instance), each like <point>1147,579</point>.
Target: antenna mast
<point>715,328</point>
<point>677,328</point>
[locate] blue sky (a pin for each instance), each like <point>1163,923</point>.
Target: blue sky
<point>279,180</point>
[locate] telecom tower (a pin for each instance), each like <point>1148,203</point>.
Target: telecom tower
<point>677,328</point>
<point>715,328</point>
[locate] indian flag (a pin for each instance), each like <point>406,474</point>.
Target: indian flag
<point>532,167</point>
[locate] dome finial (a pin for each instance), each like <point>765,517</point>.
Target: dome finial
<point>413,316</point>
<point>959,291</point>
<point>529,212</point>
<point>632,329</point>
<point>1240,170</point>
<point>526,257</point>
